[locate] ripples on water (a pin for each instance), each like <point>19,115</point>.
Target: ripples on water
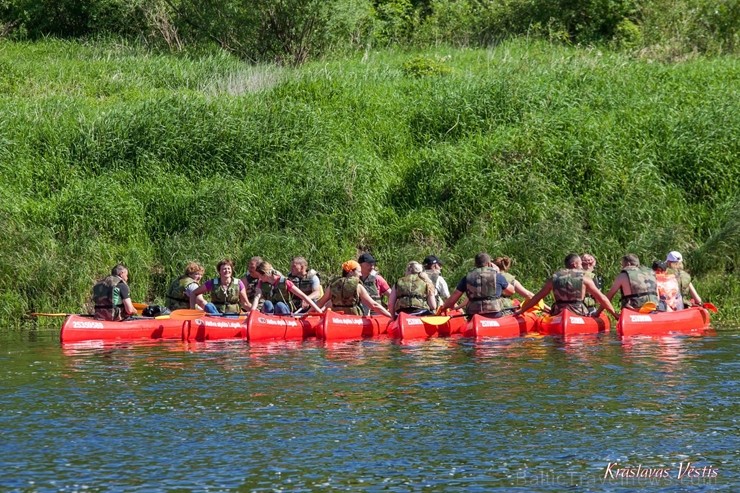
<point>529,414</point>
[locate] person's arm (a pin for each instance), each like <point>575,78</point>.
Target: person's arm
<point>315,293</point>
<point>243,298</point>
<point>392,302</point>
<point>442,288</point>
<point>600,298</point>
<point>695,298</point>
<point>128,305</point>
<point>257,294</point>
<point>521,290</point>
<point>293,289</point>
<point>432,298</point>
<point>536,298</point>
<point>369,302</point>
<point>384,289</point>
<point>616,286</point>
<point>196,297</point>
<point>450,302</point>
<point>324,299</point>
<point>507,289</point>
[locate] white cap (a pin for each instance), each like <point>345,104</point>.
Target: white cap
<point>674,257</point>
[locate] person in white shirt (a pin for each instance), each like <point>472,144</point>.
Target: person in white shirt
<point>433,268</point>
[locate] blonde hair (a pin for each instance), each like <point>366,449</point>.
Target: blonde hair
<point>677,264</point>
<point>414,267</point>
<point>264,268</point>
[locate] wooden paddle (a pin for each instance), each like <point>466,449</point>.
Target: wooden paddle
<point>36,314</point>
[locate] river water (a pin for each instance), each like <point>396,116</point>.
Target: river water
<point>528,414</point>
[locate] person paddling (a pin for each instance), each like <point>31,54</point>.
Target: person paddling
<point>674,264</point>
<point>228,294</point>
<point>588,262</point>
<point>112,297</point>
<point>178,295</point>
<point>280,291</point>
<point>376,286</point>
<point>503,264</point>
<point>433,269</point>
<point>414,293</point>
<point>348,295</point>
<point>637,284</point>
<point>569,287</point>
<point>484,286</point>
<point>669,291</point>
<point>306,280</point>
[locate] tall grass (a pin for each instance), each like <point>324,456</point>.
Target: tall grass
<point>529,150</point>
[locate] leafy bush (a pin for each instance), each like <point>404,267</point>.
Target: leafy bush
<point>423,66</point>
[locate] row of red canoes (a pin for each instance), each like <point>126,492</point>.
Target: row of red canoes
<point>336,326</point>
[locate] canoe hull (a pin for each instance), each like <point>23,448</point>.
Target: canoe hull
<point>78,328</point>
<point>691,321</point>
<point>210,328</point>
<point>265,327</point>
<point>508,326</point>
<point>568,323</point>
<point>341,326</point>
<point>407,326</point>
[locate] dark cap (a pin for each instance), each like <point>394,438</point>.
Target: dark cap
<point>658,265</point>
<point>430,260</point>
<point>366,257</point>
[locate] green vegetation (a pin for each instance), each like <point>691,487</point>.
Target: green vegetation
<point>109,152</point>
<point>293,31</point>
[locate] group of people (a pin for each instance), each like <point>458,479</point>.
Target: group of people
<point>361,290</point>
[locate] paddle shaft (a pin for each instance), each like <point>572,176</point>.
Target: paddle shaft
<point>36,314</point>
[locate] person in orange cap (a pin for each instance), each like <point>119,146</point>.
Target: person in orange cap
<point>348,295</point>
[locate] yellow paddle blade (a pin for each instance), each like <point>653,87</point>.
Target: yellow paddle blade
<point>140,307</point>
<point>648,307</point>
<point>185,314</point>
<point>435,320</point>
<point>49,314</point>
<point>539,307</point>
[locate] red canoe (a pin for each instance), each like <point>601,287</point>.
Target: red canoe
<point>335,326</point>
<point>77,328</point>
<point>265,327</point>
<point>508,326</point>
<point>215,328</point>
<point>407,326</point>
<point>691,321</point>
<point>568,323</point>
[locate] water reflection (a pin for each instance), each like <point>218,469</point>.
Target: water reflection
<point>532,413</point>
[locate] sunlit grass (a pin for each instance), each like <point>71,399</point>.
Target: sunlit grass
<point>109,154</point>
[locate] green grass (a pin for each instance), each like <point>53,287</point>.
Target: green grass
<point>109,153</point>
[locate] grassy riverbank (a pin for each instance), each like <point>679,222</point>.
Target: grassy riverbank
<point>109,153</point>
